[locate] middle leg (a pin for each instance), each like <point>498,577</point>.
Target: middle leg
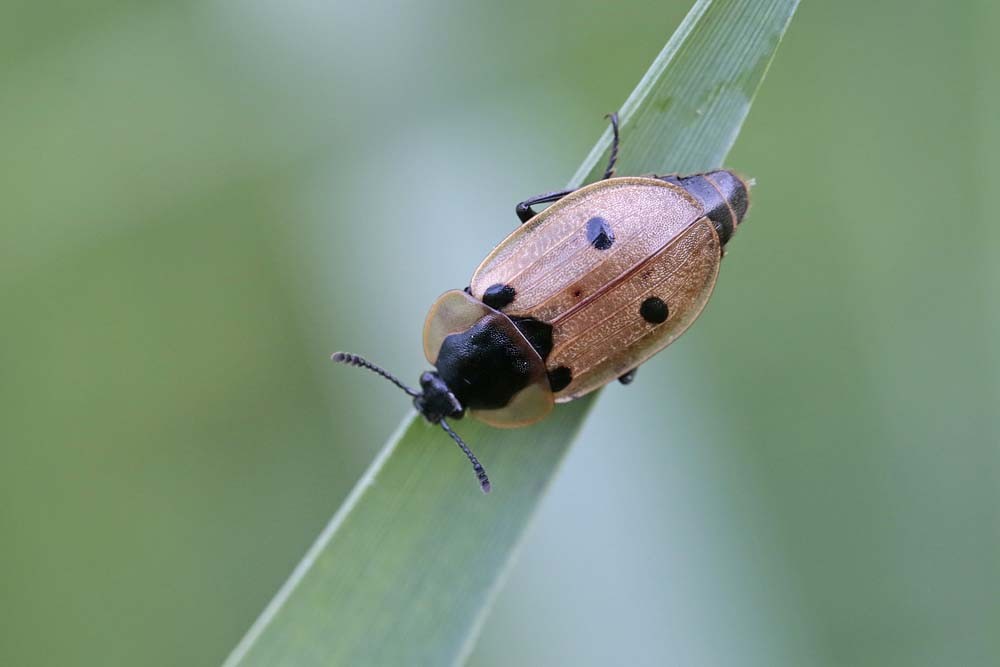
<point>524,210</point>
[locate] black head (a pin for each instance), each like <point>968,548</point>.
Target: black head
<point>435,403</point>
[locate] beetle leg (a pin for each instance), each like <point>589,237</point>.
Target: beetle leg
<point>610,171</point>
<point>524,210</point>
<point>628,377</point>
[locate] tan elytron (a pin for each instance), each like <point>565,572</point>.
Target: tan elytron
<point>663,246</point>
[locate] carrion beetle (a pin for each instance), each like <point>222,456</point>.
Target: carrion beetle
<point>580,294</point>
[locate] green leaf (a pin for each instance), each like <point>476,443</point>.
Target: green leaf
<point>405,572</point>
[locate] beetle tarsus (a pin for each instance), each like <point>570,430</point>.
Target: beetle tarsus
<point>524,210</point>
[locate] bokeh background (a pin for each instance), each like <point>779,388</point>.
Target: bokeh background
<point>200,201</point>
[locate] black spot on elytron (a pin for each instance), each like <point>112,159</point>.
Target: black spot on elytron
<point>599,233</point>
<point>538,333</point>
<point>498,296</point>
<point>559,378</point>
<point>577,293</point>
<point>654,310</point>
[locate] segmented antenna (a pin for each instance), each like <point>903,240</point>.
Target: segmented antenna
<point>355,360</point>
<point>484,481</point>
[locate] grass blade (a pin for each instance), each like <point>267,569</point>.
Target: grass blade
<point>405,572</point>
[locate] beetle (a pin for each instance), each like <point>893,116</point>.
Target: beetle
<point>580,294</point>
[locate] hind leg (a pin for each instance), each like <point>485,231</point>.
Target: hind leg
<point>628,377</point>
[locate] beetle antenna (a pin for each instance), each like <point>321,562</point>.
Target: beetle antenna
<point>355,360</point>
<point>484,481</point>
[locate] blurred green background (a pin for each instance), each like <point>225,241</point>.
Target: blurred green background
<point>200,201</point>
